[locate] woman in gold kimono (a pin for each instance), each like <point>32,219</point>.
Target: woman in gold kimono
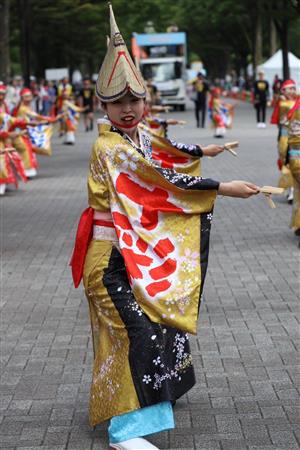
<point>142,249</point>
<point>294,161</point>
<point>284,104</point>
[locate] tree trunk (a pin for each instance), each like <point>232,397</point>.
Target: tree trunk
<point>258,40</point>
<point>285,51</point>
<point>25,22</point>
<point>4,41</point>
<point>273,38</point>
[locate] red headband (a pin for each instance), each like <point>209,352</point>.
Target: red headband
<point>25,91</point>
<point>288,83</point>
<point>216,91</point>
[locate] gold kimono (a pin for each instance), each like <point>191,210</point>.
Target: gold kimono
<point>294,162</point>
<point>22,143</point>
<point>10,162</point>
<point>286,179</point>
<point>144,286</point>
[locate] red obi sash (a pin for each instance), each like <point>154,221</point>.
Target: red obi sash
<point>275,115</point>
<point>83,237</point>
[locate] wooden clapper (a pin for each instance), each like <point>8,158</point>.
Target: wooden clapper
<point>270,190</point>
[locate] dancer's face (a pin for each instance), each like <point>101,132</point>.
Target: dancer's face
<point>290,92</point>
<point>126,112</point>
<point>27,99</point>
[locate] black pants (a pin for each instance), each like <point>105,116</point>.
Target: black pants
<point>200,107</point>
<point>261,111</point>
<point>154,349</point>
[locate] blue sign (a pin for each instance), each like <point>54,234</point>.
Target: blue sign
<point>152,39</point>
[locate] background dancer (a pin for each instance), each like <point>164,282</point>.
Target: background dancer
<point>294,161</point>
<point>279,117</point>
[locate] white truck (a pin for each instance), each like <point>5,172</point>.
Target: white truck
<point>162,58</point>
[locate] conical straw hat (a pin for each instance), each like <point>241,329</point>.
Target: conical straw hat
<point>118,73</point>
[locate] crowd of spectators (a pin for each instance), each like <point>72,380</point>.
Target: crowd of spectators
<point>45,93</point>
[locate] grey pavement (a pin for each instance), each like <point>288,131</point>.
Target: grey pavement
<point>245,352</point>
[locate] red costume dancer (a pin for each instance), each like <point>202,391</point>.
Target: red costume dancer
<point>70,119</point>
<point>221,113</point>
<point>158,125</point>
<point>3,105</point>
<point>279,117</point>
<point>24,145</point>
<point>11,164</point>
<point>64,87</point>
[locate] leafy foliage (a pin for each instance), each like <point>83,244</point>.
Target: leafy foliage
<point>222,33</point>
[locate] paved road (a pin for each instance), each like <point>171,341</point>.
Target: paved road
<point>245,352</point>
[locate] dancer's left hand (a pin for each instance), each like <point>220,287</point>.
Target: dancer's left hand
<point>212,150</point>
<point>175,122</point>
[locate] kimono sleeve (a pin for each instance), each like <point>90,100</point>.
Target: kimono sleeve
<point>17,123</point>
<point>74,107</point>
<point>185,181</point>
<point>98,193</point>
<point>33,115</point>
<point>190,149</point>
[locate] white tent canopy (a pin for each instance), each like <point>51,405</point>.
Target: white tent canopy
<point>273,66</point>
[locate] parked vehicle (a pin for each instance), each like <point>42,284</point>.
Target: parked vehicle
<point>162,59</point>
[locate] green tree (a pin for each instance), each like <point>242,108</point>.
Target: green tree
<point>284,13</point>
<point>4,41</point>
<point>226,34</point>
